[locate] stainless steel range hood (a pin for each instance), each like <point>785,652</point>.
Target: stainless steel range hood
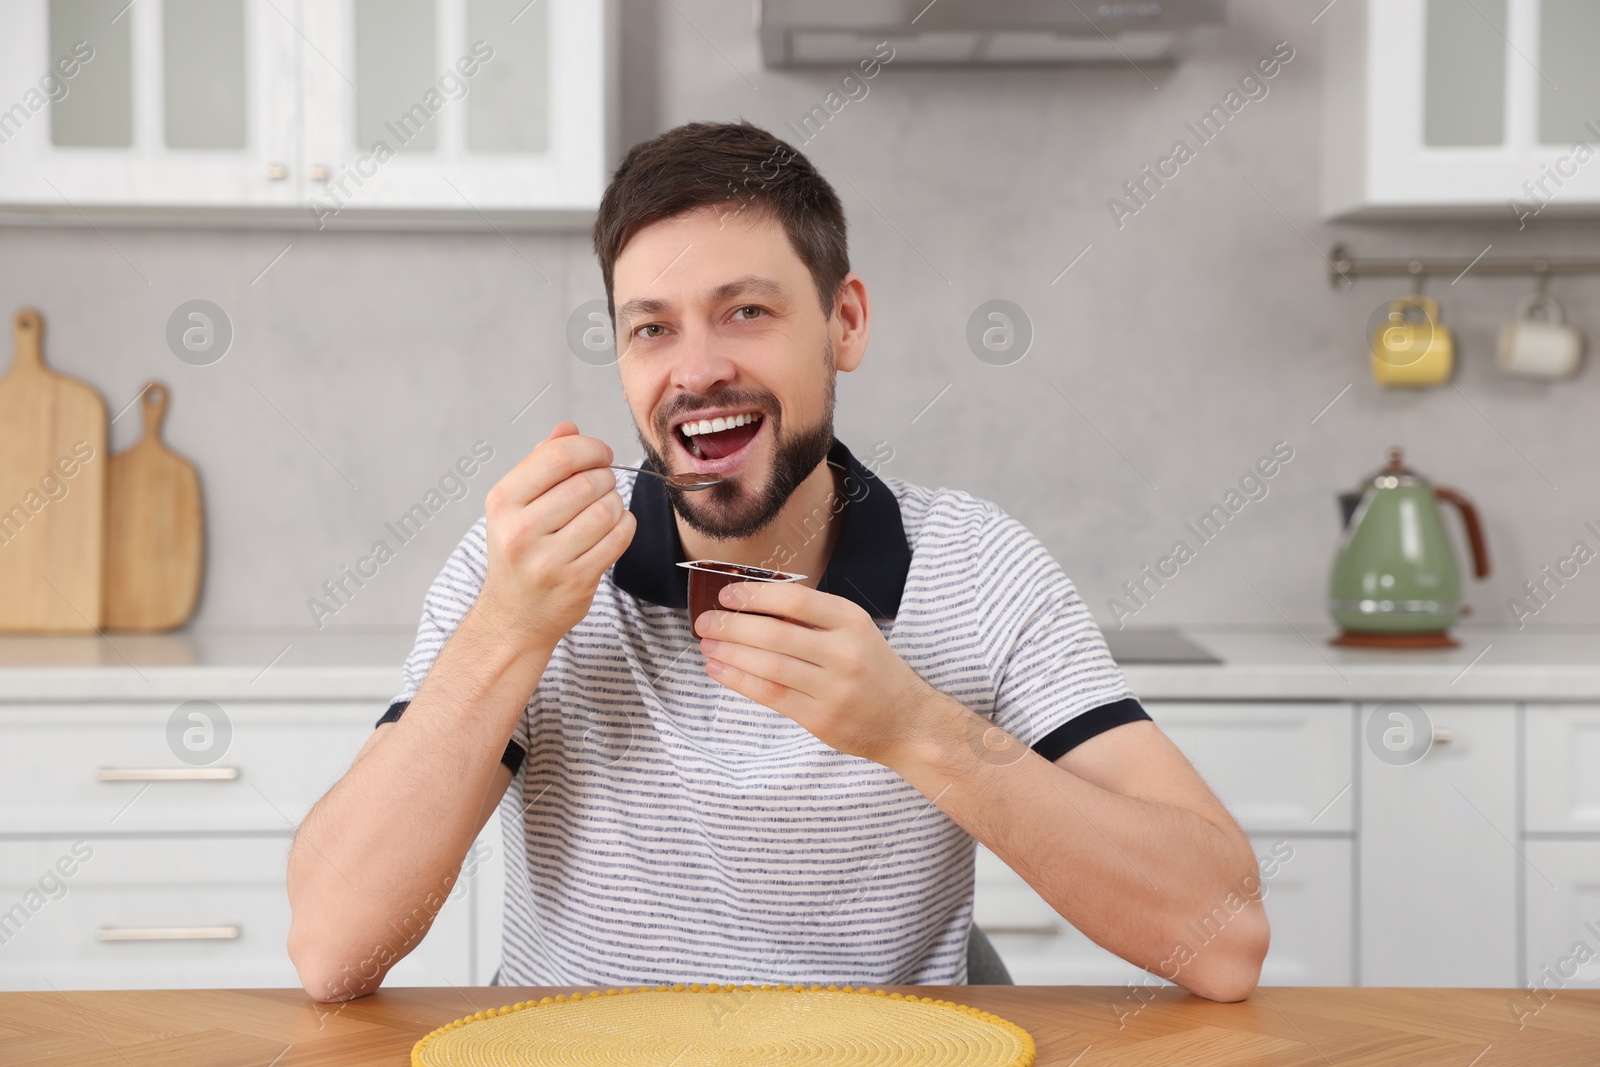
<point>994,32</point>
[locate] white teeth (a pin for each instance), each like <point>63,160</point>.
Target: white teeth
<point>692,428</point>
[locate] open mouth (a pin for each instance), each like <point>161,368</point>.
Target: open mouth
<point>716,443</point>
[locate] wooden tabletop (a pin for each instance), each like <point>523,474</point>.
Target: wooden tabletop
<point>1081,1026</point>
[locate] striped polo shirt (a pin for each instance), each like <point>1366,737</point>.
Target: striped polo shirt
<point>671,830</point>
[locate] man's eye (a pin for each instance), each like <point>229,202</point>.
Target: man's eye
<point>749,311</point>
<point>653,326</point>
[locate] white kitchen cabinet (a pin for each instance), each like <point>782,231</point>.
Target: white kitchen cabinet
<point>1562,752</point>
<point>208,912</point>
<point>1308,901</point>
<point>1563,927</point>
<point>1396,879</point>
<point>183,885</point>
<point>108,138</point>
<point>1561,873</point>
<point>173,913</point>
<point>1459,107</point>
<point>307,112</point>
<point>1280,768</point>
<point>1438,859</point>
<point>1311,905</point>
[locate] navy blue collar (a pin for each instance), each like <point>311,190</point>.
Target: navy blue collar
<point>869,564</point>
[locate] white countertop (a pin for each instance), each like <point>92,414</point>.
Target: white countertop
<point>1259,664</point>
<point>1492,664</point>
<point>252,665</point>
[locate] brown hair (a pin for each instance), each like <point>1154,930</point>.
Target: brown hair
<point>739,165</point>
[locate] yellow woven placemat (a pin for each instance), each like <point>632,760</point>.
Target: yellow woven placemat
<point>730,1026</point>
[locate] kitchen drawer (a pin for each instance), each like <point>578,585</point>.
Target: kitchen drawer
<point>284,757</point>
<point>1279,768</point>
<point>1561,753</point>
<point>1562,880</point>
<point>1311,906</point>
<point>227,893</point>
<point>1309,901</point>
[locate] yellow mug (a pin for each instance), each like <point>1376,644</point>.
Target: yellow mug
<point>1411,347</point>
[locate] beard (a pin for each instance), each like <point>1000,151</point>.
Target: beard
<point>735,509</point>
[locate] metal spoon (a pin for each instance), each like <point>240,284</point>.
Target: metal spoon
<point>686,482</point>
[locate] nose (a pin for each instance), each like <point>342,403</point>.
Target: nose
<point>700,367</point>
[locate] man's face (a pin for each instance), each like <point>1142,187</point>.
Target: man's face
<point>726,362</point>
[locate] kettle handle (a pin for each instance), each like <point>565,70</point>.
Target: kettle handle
<point>1469,516</point>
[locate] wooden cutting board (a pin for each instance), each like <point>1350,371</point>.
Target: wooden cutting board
<point>52,494</point>
<point>154,546</point>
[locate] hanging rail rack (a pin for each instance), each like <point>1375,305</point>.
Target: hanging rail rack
<point>1346,268</point>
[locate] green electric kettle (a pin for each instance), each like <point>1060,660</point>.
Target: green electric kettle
<point>1395,583</point>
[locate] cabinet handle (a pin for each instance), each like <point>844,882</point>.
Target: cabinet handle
<point>166,774</point>
<point>1442,736</point>
<point>167,933</point>
<point>1041,930</point>
<point>276,172</point>
<point>320,172</point>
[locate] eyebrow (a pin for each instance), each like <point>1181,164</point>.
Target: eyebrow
<point>749,285</point>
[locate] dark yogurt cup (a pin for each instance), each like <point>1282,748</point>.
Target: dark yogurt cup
<point>708,576</point>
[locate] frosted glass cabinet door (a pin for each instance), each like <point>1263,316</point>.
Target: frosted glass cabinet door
<point>459,106</point>
<point>164,103</point>
<point>1569,92</point>
<point>1464,86</point>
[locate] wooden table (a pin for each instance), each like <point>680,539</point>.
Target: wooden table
<point>1083,1026</point>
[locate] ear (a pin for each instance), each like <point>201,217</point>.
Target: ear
<point>848,324</point>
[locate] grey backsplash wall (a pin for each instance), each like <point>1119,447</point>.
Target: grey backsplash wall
<point>1189,341</point>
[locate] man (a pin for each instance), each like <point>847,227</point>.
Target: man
<point>789,796</point>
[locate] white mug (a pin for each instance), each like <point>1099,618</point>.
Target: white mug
<point>1539,348</point>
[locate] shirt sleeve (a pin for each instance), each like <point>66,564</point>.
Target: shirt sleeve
<point>446,603</point>
<point>1055,683</point>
